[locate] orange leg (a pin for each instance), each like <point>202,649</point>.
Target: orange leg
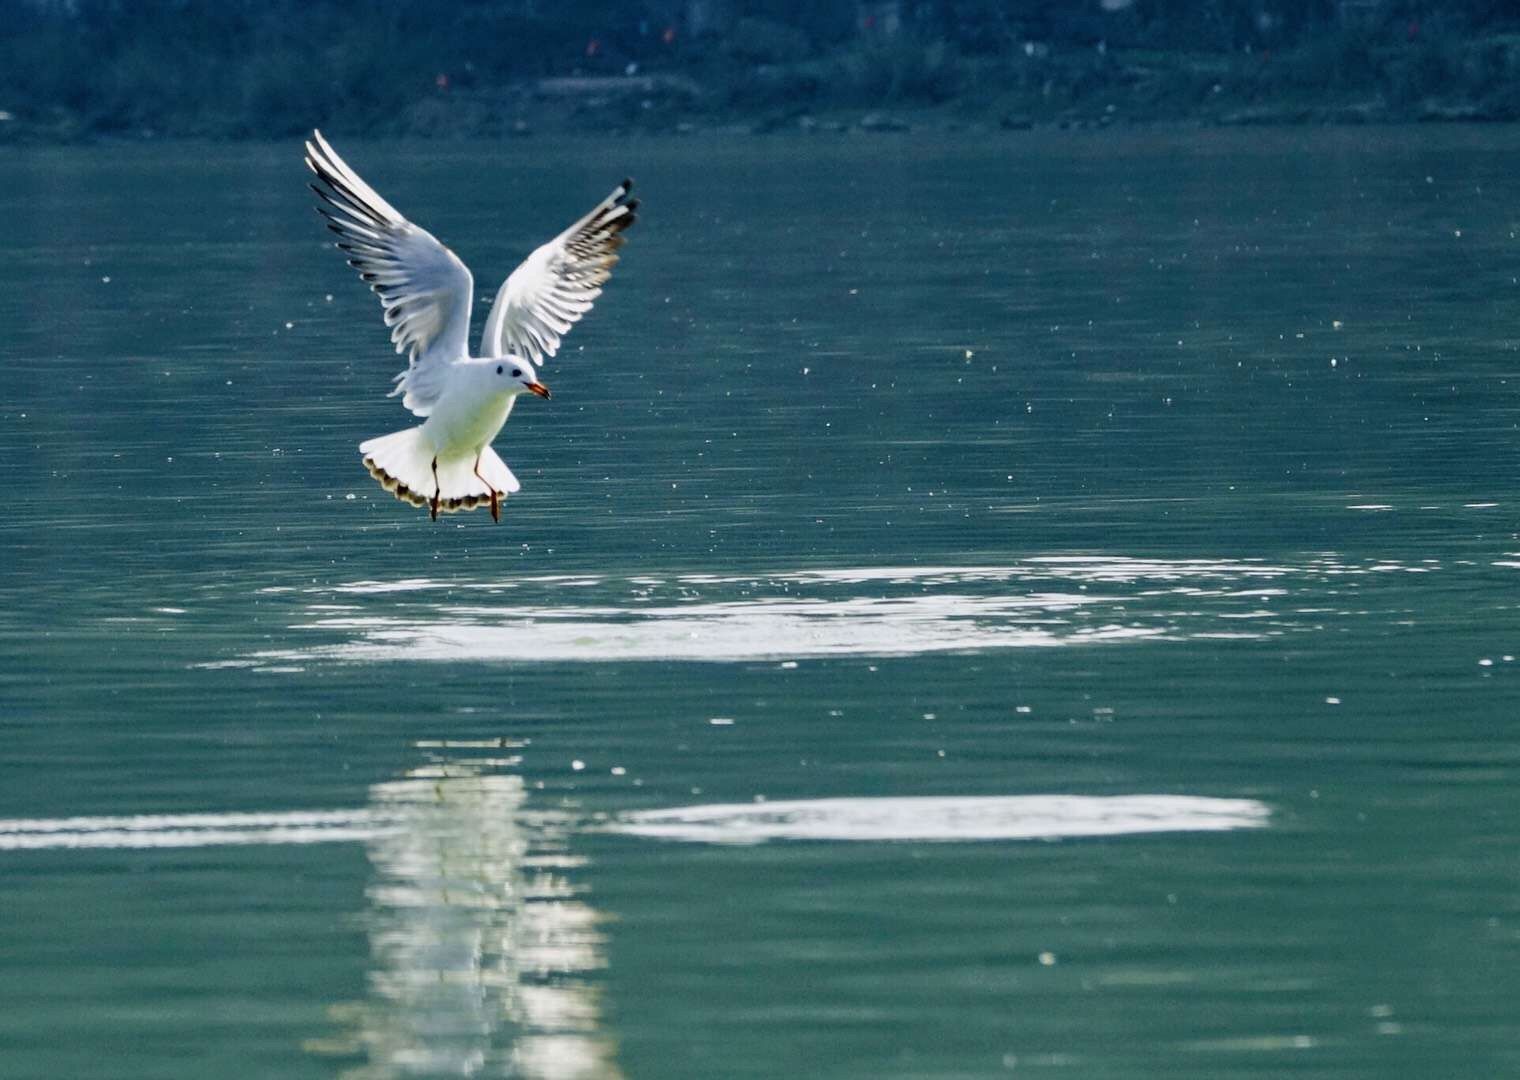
<point>495,495</point>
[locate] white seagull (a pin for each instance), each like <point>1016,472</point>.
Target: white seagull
<point>447,463</point>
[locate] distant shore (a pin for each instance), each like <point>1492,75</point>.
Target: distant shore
<point>486,122</point>
<point>1343,77</point>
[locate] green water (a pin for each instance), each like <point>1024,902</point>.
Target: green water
<point>1173,473</point>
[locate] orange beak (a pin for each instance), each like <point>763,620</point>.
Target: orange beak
<point>540,389</point>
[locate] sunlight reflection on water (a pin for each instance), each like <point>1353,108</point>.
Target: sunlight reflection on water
<point>484,954</point>
<point>195,830</point>
<point>479,950</point>
<point>873,611</point>
<point>1013,817</point>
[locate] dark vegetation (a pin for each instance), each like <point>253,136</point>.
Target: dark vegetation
<point>270,68</point>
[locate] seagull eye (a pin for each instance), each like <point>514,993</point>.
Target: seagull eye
<point>517,373</point>
<point>498,369</point>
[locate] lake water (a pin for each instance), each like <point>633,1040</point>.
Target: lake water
<point>1020,604</point>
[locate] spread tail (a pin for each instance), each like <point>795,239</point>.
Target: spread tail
<point>403,463</point>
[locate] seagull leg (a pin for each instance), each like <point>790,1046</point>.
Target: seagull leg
<point>437,490</point>
<point>495,495</point>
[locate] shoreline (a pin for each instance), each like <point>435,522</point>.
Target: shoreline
<point>111,73</point>
<point>875,122</point>
<point>1348,77</point>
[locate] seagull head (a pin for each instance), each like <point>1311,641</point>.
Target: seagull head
<point>516,375</point>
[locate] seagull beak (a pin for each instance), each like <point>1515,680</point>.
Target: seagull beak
<point>540,389</point>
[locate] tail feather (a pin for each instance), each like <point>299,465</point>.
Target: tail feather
<point>403,464</point>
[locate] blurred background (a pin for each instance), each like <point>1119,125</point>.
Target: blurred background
<point>269,68</point>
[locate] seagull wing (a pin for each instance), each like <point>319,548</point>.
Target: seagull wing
<point>558,283</point>
<point>426,290</point>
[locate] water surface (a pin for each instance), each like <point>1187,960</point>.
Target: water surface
<point>1037,604</point>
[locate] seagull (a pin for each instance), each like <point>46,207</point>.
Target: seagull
<point>447,463</point>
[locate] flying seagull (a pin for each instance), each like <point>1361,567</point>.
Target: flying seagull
<point>446,463</point>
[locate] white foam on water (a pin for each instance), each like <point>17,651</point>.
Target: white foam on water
<point>1041,602</point>
<point>1064,567</point>
<point>195,830</point>
<point>716,632</point>
<point>945,819</point>
<point>931,818</point>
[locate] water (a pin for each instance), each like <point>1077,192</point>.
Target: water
<point>978,606</point>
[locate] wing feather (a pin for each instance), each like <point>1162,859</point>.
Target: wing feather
<point>424,287</point>
<point>557,284</point>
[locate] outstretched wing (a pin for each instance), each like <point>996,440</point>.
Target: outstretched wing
<point>426,290</point>
<point>558,283</point>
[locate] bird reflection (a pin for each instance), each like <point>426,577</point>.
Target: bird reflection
<point>480,951</point>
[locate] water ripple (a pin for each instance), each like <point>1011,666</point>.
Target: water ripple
<point>196,830</point>
<point>1012,817</point>
<point>1042,602</point>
